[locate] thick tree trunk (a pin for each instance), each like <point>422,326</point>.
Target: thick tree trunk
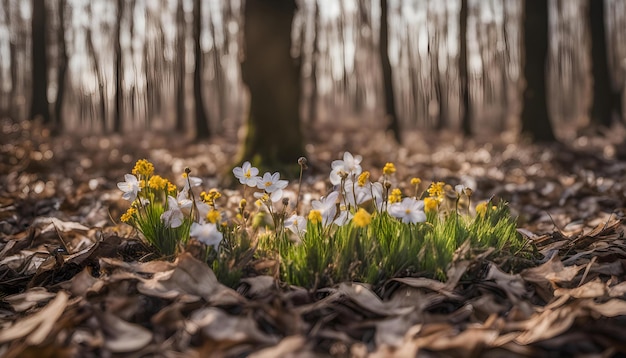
<point>39,106</point>
<point>274,137</point>
<point>466,119</point>
<point>118,115</point>
<point>603,106</point>
<point>390,102</point>
<point>535,119</point>
<point>202,120</point>
<point>180,67</point>
<point>62,67</point>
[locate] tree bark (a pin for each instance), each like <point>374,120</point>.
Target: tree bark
<point>202,120</point>
<point>603,104</point>
<point>466,119</point>
<point>62,67</point>
<point>390,102</point>
<point>180,66</point>
<point>39,106</point>
<point>535,119</point>
<point>274,137</point>
<point>118,115</point>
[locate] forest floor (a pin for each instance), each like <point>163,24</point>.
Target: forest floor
<point>76,282</point>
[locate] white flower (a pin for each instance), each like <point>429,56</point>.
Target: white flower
<point>130,187</point>
<point>343,218</point>
<point>357,195</point>
<point>182,200</point>
<point>272,185</point>
<point>195,181</point>
<point>173,217</point>
<point>327,207</point>
<point>247,174</point>
<point>206,234</point>
<point>350,165</point>
<point>296,223</point>
<point>410,211</point>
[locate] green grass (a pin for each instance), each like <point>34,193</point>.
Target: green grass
<point>388,248</point>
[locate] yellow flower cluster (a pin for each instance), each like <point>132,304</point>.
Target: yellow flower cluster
<point>128,215</point>
<point>157,182</point>
<point>395,196</point>
<point>315,216</point>
<point>213,216</point>
<point>363,178</point>
<point>416,181</point>
<point>143,167</point>
<point>389,169</point>
<point>481,208</point>
<point>211,196</point>
<point>362,218</point>
<point>436,190</point>
<point>431,204</point>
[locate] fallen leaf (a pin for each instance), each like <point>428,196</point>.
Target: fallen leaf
<point>36,327</point>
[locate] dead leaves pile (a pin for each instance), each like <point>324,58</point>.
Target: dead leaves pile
<point>100,299</point>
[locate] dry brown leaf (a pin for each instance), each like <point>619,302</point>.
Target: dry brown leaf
<point>24,301</point>
<point>36,327</point>
<point>433,285</point>
<point>219,326</point>
<point>591,289</point>
<point>368,300</point>
<point>512,285</point>
<point>121,336</point>
<point>548,324</point>
<point>288,347</point>
<point>610,308</point>
<point>189,279</point>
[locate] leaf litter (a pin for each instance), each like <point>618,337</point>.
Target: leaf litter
<point>73,282</point>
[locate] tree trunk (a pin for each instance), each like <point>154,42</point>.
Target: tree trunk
<point>99,77</point>
<point>274,137</point>
<point>62,67</point>
<point>118,115</point>
<point>180,66</point>
<point>39,106</point>
<point>602,106</point>
<point>466,119</point>
<point>535,119</point>
<point>390,104</point>
<point>202,120</point>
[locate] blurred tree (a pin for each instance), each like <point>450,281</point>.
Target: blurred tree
<point>118,115</point>
<point>535,119</point>
<point>390,102</point>
<point>99,77</point>
<point>603,105</point>
<point>181,34</point>
<point>466,123</point>
<point>62,59</point>
<point>202,120</point>
<point>39,106</point>
<point>274,137</point>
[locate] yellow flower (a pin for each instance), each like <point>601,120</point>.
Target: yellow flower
<point>143,167</point>
<point>363,178</point>
<point>416,181</point>
<point>395,196</point>
<point>430,204</point>
<point>315,216</point>
<point>213,216</point>
<point>436,190</point>
<point>389,169</point>
<point>157,183</point>
<point>242,204</point>
<point>171,188</point>
<point>362,218</point>
<point>481,208</point>
<point>128,215</point>
<point>211,196</point>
